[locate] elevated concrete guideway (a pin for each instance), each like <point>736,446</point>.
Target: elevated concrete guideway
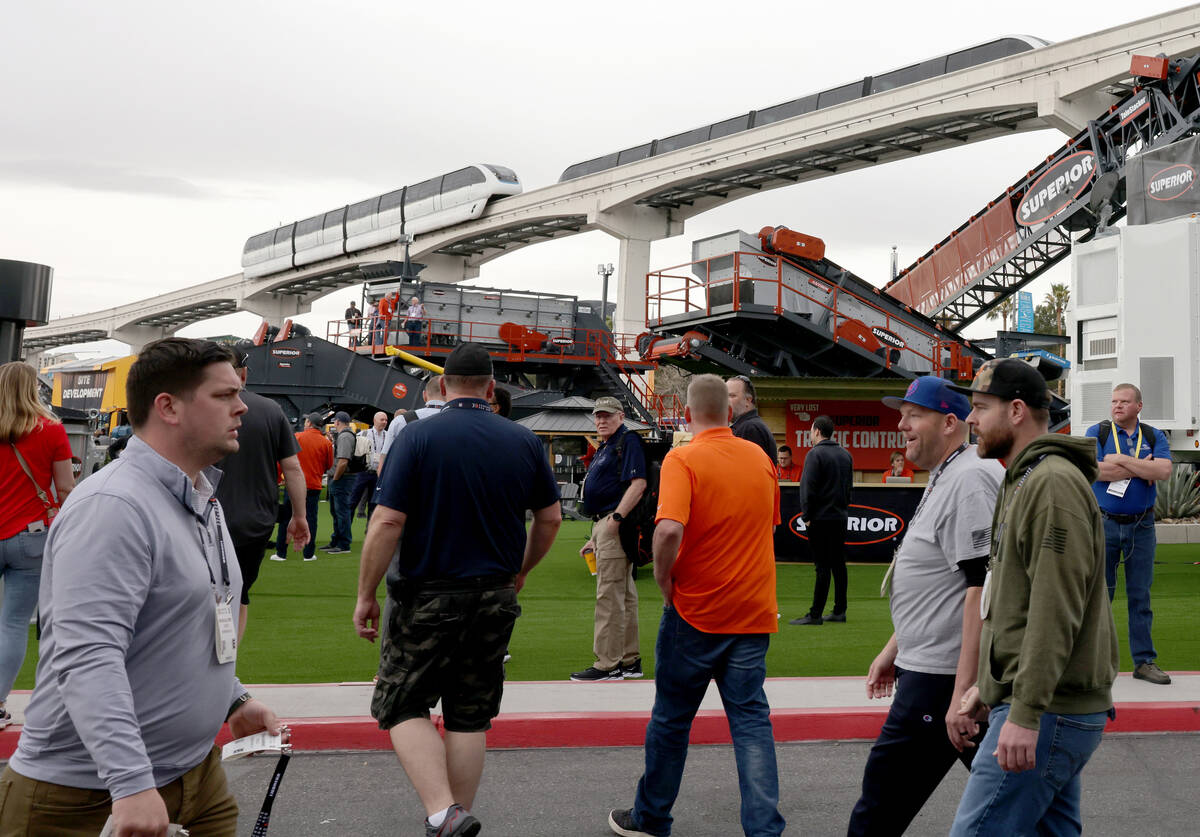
<point>1061,86</point>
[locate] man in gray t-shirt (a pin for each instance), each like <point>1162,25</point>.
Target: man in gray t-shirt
<point>935,582</point>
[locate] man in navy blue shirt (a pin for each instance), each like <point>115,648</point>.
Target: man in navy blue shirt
<point>457,486</point>
<point>1132,456</point>
<point>615,482</point>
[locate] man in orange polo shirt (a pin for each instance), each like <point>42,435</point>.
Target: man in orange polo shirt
<point>714,560</point>
<point>316,457</point>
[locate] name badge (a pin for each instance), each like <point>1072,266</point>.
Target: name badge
<point>985,598</point>
<point>226,633</point>
<point>1117,488</point>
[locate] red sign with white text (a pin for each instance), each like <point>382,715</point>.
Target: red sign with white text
<point>865,428</point>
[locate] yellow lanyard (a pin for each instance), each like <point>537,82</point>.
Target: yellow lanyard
<point>1137,449</point>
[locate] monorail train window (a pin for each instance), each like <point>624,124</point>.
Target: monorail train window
<point>335,218</point>
<point>978,55</point>
<point>421,191</point>
<point>391,200</point>
<point>838,95</point>
<point>503,173</point>
<point>590,166</point>
<point>310,225</point>
<point>461,178</point>
<point>364,208</point>
<point>909,75</point>
<point>777,113</point>
<point>284,233</point>
<point>632,155</point>
<point>260,241</point>
<point>677,141</point>
<point>729,126</point>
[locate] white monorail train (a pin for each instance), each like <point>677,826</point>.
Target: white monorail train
<point>438,202</point>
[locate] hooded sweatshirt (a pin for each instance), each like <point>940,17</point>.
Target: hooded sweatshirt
<point>1048,642</point>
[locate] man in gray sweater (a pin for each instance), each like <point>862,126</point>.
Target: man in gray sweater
<point>139,623</point>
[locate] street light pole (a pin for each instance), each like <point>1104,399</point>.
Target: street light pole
<point>604,270</point>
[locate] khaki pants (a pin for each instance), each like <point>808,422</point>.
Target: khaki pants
<point>199,800</point>
<point>616,630</point>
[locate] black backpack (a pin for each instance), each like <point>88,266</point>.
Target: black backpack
<point>636,529</point>
<point>356,464</point>
<point>1105,432</point>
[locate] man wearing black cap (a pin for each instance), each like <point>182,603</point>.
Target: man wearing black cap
<point>249,491</point>
<point>457,488</point>
<point>341,485</point>
<point>935,582</point>
<point>1048,646</point>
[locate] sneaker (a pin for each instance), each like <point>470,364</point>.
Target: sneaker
<point>278,557</point>
<point>5,718</point>
<point>327,547</point>
<point>458,823</point>
<point>621,822</point>
<point>335,550</point>
<point>633,671</point>
<point>807,619</point>
<point>834,617</point>
<point>591,674</point>
<point>1151,673</point>
<point>312,557</point>
<point>507,657</point>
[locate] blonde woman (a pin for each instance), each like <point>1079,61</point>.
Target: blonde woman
<point>34,455</point>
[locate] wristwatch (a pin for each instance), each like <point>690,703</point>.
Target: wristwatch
<point>245,697</point>
<point>617,516</point>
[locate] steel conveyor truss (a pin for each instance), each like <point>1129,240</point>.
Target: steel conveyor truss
<point>1156,113</point>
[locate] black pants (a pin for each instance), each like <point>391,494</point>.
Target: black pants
<point>827,540</point>
<point>911,755</point>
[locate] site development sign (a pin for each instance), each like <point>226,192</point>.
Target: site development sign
<point>83,390</point>
<point>1161,184</point>
<point>867,429</point>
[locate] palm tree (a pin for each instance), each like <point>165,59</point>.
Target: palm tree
<point>1057,298</point>
<point>1005,309</point>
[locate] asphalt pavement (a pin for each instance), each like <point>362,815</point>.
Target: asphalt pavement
<point>1142,785</point>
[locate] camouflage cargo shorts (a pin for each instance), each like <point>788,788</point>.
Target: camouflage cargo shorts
<point>445,640</point>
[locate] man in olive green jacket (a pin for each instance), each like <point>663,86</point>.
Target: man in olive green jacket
<point>1048,649</point>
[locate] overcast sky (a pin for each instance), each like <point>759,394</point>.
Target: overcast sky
<point>145,141</point>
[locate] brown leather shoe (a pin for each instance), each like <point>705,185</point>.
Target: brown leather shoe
<point>1151,673</point>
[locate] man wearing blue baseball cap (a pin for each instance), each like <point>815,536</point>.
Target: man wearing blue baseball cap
<point>935,583</point>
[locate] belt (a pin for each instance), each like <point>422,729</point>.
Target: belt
<point>1127,518</point>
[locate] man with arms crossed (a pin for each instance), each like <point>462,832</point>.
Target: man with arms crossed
<point>935,582</point>
<point>136,673</point>
<point>714,560</point>
<point>746,422</point>
<point>825,505</point>
<point>457,488</point>
<point>1048,647</point>
<point>1132,455</point>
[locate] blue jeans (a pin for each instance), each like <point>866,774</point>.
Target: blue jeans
<point>686,659</point>
<point>312,501</point>
<point>1041,801</point>
<point>21,567</point>
<point>364,483</point>
<point>339,504</point>
<point>1135,542</point>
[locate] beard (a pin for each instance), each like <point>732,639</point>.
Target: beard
<point>996,445</point>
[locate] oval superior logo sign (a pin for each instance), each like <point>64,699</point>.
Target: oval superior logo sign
<point>1053,191</point>
<point>1170,183</point>
<point>865,525</point>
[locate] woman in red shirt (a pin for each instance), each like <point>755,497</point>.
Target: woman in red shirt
<point>34,455</point>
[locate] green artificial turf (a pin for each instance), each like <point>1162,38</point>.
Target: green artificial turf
<point>300,627</point>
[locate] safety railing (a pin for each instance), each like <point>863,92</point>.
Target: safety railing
<point>745,278</point>
<point>436,338</point>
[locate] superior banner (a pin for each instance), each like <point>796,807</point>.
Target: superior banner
<point>83,390</point>
<point>1161,184</point>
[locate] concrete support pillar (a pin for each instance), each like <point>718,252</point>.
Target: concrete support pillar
<point>1071,115</point>
<point>635,227</point>
<point>632,267</point>
<point>275,308</point>
<point>138,336</point>
<point>440,267</point>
